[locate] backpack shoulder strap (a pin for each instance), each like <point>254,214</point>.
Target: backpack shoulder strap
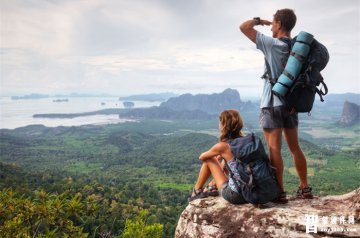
<point>287,41</point>
<point>267,74</point>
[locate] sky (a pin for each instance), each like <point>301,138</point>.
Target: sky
<point>126,47</point>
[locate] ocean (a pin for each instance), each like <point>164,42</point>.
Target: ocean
<point>19,113</point>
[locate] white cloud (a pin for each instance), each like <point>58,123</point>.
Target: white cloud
<point>39,27</point>
<point>138,46</point>
<point>193,60</point>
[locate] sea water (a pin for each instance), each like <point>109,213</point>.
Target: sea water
<point>19,113</point>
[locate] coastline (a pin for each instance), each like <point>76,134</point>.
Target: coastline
<point>109,111</point>
<point>76,112</point>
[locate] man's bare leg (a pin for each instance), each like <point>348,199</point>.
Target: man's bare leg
<point>291,136</point>
<point>273,139</point>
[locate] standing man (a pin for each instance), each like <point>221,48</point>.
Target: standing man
<point>275,117</point>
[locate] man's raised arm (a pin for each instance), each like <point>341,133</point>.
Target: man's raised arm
<point>247,27</point>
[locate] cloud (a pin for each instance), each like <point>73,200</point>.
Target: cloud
<point>192,60</point>
<point>138,46</point>
<point>39,27</point>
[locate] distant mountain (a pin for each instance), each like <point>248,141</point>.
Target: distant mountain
<point>30,96</point>
<point>188,106</point>
<point>338,99</point>
<point>79,95</point>
<point>211,104</point>
<point>149,97</point>
<point>350,114</point>
<point>183,107</point>
<point>75,95</point>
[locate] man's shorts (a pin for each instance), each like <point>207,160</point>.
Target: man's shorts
<point>278,117</point>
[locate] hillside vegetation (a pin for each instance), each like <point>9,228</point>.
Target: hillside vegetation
<point>111,181</point>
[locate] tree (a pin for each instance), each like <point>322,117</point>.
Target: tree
<point>138,227</point>
<point>47,215</point>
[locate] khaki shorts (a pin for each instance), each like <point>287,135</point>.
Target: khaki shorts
<point>278,117</point>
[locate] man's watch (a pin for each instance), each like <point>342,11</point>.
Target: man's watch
<point>257,20</point>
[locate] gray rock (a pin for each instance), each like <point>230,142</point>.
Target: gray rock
<point>350,114</point>
<point>215,217</point>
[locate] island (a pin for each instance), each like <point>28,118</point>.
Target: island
<point>61,100</point>
<point>128,104</point>
<point>30,96</point>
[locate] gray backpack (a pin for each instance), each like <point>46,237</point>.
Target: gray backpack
<point>256,179</point>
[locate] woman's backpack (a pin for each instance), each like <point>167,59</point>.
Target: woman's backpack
<point>256,179</point>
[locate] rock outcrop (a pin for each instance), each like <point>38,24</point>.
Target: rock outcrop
<point>193,107</point>
<point>211,104</point>
<point>128,104</point>
<point>350,114</point>
<point>215,217</point>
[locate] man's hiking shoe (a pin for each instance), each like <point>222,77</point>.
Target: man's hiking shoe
<point>281,198</point>
<point>211,191</point>
<point>196,194</point>
<point>304,193</point>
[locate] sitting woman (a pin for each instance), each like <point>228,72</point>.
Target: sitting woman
<point>230,126</point>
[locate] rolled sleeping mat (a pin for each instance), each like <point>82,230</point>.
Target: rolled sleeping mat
<point>283,87</point>
<point>299,51</point>
<point>293,66</point>
<point>304,36</point>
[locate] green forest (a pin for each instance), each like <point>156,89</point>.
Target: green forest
<point>125,180</point>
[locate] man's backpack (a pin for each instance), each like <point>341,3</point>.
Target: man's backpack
<point>303,88</point>
<point>255,179</point>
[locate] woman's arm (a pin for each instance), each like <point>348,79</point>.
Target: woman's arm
<point>220,148</point>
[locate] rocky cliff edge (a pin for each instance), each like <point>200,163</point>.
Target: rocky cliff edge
<point>329,216</point>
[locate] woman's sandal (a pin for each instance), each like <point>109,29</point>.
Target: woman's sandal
<point>304,193</point>
<point>196,194</point>
<point>211,191</point>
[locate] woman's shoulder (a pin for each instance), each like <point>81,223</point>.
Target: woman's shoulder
<point>222,145</point>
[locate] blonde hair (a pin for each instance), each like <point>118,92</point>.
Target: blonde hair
<point>231,124</point>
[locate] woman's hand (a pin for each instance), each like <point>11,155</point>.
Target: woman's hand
<point>214,151</point>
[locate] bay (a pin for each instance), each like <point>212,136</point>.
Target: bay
<point>19,113</point>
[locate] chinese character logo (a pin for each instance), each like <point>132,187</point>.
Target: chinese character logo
<point>337,223</point>
<point>311,223</point>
